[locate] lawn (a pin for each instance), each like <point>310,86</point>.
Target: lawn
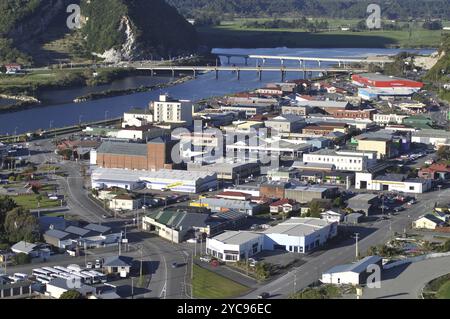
<point>444,291</point>
<point>208,285</point>
<point>31,202</point>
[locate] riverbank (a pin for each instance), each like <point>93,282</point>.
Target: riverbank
<point>113,93</point>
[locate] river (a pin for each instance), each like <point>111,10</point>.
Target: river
<point>54,114</point>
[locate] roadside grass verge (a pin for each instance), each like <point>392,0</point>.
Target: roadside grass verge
<point>208,285</point>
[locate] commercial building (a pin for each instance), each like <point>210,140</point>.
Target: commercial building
<point>137,117</point>
<point>305,194</point>
<point>58,286</point>
<point>352,274</point>
<point>295,110</point>
<point>364,203</point>
<point>355,161</point>
<point>250,110</point>
<point>223,204</point>
<point>428,221</point>
<point>391,182</point>
<point>325,128</point>
<point>163,179</point>
<point>391,118</point>
<point>297,235</point>
<point>178,224</point>
<point>325,105</point>
<point>352,114</point>
<point>433,137</point>
<point>376,80</point>
<point>228,171</point>
<point>232,246</point>
<point>332,216</point>
<point>124,202</point>
<point>154,155</point>
<point>168,109</point>
<point>287,123</point>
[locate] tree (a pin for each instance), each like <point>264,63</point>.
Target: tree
<point>21,259</point>
<point>71,294</point>
<point>21,225</point>
<point>314,209</point>
<point>443,153</point>
<point>338,202</point>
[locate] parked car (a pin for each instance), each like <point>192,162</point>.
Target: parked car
<point>399,209</point>
<point>89,265</point>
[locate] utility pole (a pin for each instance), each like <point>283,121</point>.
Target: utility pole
<point>132,288</point>
<point>295,282</point>
<point>357,252</point>
<point>141,271</point>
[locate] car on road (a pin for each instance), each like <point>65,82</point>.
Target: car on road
<point>206,259</point>
<point>104,216</point>
<point>89,265</point>
<point>174,265</point>
<point>399,209</point>
<point>264,295</point>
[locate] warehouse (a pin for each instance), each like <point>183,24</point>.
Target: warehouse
<point>376,80</point>
<point>164,179</point>
<point>230,171</point>
<point>352,274</point>
<point>392,183</point>
<point>299,235</point>
<point>305,194</point>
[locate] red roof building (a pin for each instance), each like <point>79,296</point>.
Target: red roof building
<point>435,171</point>
<point>376,80</point>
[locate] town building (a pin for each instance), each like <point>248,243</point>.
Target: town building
<point>229,171</point>
<point>323,129</point>
<point>433,137</point>
<point>332,216</point>
<point>305,194</point>
<point>153,155</point>
<point>58,286</point>
<point>286,123</point>
<point>137,117</point>
<point>223,204</point>
<point>124,202</point>
<point>428,221</point>
<point>168,109</point>
<point>118,265</point>
<point>284,207</point>
<point>352,114</point>
<point>352,274</point>
<point>437,171</point>
<point>391,182</point>
<point>163,179</point>
<point>364,203</point>
<point>380,81</point>
<point>232,246</point>
<point>355,161</point>
<point>390,118</point>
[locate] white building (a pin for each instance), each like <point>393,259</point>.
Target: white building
<point>299,235</point>
<point>58,286</point>
<point>332,216</point>
<point>389,118</point>
<point>352,274</point>
<point>355,161</point>
<point>164,179</point>
<point>168,109</point>
<point>137,117</point>
<point>233,246</point>
<point>391,182</point>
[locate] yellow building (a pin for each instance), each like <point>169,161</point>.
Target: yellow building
<point>380,145</point>
<point>427,222</point>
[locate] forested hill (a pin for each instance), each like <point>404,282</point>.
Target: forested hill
<point>31,29</point>
<point>350,9</point>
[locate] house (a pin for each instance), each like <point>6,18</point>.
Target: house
<point>435,171</point>
<point>58,286</point>
<point>284,206</point>
<point>351,274</point>
<point>29,249</point>
<point>332,216</point>
<point>428,221</point>
<point>286,123</point>
<point>13,68</point>
<point>120,265</point>
<point>124,202</point>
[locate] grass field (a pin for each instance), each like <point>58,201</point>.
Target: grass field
<point>235,34</point>
<point>444,291</point>
<point>31,202</point>
<point>208,285</point>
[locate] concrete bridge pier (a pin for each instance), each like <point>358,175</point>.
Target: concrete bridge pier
<point>238,74</point>
<point>260,75</point>
<point>195,73</point>
<point>152,72</point>
<point>229,59</point>
<point>318,62</point>
<point>173,73</point>
<point>283,75</point>
<point>282,61</point>
<point>246,61</point>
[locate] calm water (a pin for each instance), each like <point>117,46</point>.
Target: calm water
<point>59,115</point>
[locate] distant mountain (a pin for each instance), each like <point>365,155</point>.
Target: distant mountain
<point>111,29</point>
<point>352,9</point>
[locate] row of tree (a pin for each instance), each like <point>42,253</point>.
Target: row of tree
<point>302,23</point>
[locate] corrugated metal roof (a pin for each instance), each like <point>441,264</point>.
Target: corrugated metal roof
<point>123,149</point>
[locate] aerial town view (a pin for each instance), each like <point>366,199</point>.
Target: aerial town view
<point>203,150</point>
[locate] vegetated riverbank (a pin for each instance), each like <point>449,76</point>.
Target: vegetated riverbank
<point>112,93</point>
<point>26,88</point>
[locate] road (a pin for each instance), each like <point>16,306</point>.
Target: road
<point>407,282</point>
<point>310,272</point>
